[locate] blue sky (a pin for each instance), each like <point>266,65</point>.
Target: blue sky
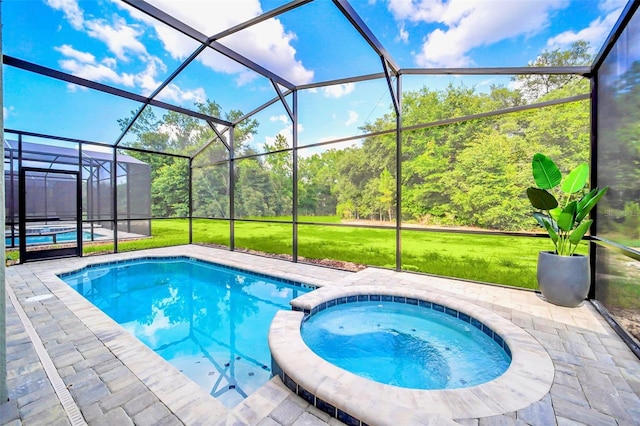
<point>109,42</point>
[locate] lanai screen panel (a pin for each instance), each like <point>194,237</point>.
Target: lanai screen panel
<point>344,110</point>
<point>98,187</point>
<point>474,173</point>
<point>351,183</point>
<point>130,177</point>
<point>618,153</point>
<point>269,129</point>
<point>133,190</point>
<point>227,88</point>
<point>263,187</point>
<point>11,186</point>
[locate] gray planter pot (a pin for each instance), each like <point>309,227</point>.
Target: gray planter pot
<point>563,280</point>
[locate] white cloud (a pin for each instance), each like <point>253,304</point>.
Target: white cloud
<point>596,33</point>
<point>71,11</point>
<point>147,78</point>
<point>353,118</point>
<point>7,112</point>
<point>96,72</point>
<point>74,88</point>
<point>470,24</point>
<point>267,43</point>
<point>420,10</point>
<point>339,90</point>
<point>120,36</point>
<point>83,64</point>
<point>220,63</point>
<point>174,93</point>
<point>283,118</point>
<point>403,34</point>
<point>611,5</point>
<point>68,51</point>
<point>110,62</point>
<point>123,40</point>
<point>286,132</point>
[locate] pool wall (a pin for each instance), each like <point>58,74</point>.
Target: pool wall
<point>355,400</point>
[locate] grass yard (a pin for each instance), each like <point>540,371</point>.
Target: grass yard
<point>495,259</point>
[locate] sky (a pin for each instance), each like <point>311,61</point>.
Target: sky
<point>110,42</point>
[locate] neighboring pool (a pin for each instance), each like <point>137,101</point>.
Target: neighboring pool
<point>209,321</point>
<point>405,345</point>
<point>48,239</point>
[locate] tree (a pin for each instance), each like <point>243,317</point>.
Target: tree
<point>280,167</point>
<point>535,86</point>
<point>316,178</point>
<point>254,193</point>
<point>387,191</point>
<point>491,174</point>
<point>176,133</point>
<point>170,190</point>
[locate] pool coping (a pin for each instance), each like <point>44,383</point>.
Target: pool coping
<point>527,380</point>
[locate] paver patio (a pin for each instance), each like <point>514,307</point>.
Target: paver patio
<point>68,363</point>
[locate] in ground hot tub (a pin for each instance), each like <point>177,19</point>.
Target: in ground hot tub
<point>358,398</point>
<point>418,345</point>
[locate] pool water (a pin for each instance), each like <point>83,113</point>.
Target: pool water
<point>209,321</point>
<point>48,239</point>
<point>404,345</point>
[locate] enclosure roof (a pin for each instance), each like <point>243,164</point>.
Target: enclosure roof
<point>63,154</point>
<point>90,64</point>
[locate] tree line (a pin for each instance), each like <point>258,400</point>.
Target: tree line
<point>472,173</point>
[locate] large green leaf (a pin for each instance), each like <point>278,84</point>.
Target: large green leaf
<point>586,198</point>
<point>543,220</point>
<point>590,204</point>
<point>578,233</point>
<point>576,180</point>
<point>541,199</point>
<point>555,213</point>
<point>548,224</point>
<point>545,172</point>
<point>567,216</point>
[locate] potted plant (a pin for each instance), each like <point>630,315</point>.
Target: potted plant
<point>563,276</point>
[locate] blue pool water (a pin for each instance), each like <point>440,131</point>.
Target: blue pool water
<point>48,239</point>
<point>209,321</point>
<point>404,345</point>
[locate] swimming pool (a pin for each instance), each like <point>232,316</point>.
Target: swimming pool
<point>209,321</point>
<point>48,239</point>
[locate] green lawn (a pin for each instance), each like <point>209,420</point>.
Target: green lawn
<point>495,259</point>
